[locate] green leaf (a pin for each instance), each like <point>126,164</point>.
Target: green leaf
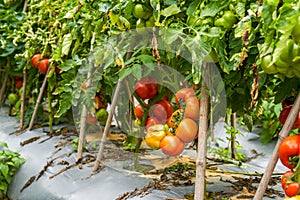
<point>3,144</point>
<point>67,42</point>
<point>65,104</point>
<point>4,170</point>
<point>193,7</point>
<point>171,10</point>
<point>213,8</point>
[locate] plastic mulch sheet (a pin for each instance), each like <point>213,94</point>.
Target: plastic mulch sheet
<point>51,172</point>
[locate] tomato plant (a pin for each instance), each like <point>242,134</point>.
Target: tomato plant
<point>289,149</point>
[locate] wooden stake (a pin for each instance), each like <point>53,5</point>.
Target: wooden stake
<point>42,89</point>
<point>83,121</point>
<point>23,100</point>
<point>233,139</point>
<point>202,142</point>
<point>2,91</point>
<point>107,125</point>
<point>287,127</point>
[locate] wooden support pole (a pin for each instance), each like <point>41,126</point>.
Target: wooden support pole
<point>202,144</point>
<point>107,125</point>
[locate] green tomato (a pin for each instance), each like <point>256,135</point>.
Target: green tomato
<point>150,22</point>
<point>230,18</point>
<point>139,11</point>
<point>220,22</point>
<point>267,66</point>
<point>141,27</point>
<point>12,98</point>
<point>102,115</point>
<point>296,31</point>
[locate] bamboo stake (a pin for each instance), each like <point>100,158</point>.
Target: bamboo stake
<point>83,122</point>
<point>2,91</point>
<point>107,125</point>
<point>25,6</point>
<point>23,100</point>
<point>84,110</point>
<point>233,139</point>
<point>274,158</point>
<point>42,89</point>
<point>202,143</point>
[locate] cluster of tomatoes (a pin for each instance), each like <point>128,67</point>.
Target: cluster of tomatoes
<point>167,128</point>
<point>42,64</point>
<point>289,152</point>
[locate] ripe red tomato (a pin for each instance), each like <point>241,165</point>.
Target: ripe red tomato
<point>138,111</point>
<point>289,147</point>
<point>35,60</point>
<point>151,121</point>
<point>286,177</point>
<point>162,110</point>
<point>192,108</point>
<point>187,130</point>
<point>18,84</point>
<point>146,88</point>
<point>171,145</point>
<point>184,93</point>
<point>43,65</point>
<point>284,114</point>
<point>57,70</point>
<point>292,189</point>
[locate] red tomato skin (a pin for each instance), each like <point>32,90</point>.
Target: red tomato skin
<point>292,189</point>
<point>171,145</point>
<point>284,114</point>
<point>192,108</point>
<point>151,121</point>
<point>162,110</point>
<point>146,88</point>
<point>138,111</point>
<point>184,93</point>
<point>286,178</point>
<point>43,66</point>
<point>187,130</point>
<point>35,60</point>
<point>289,147</point>
<point>18,84</point>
